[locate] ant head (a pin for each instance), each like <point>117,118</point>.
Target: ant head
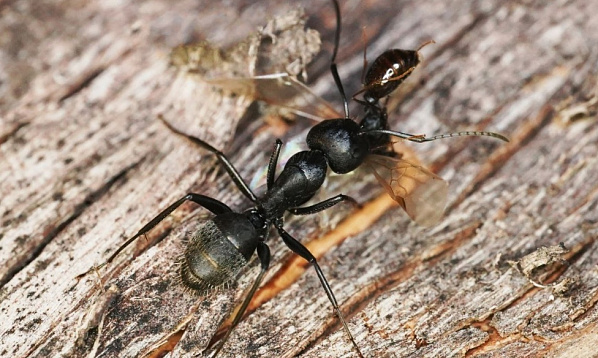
<point>340,141</point>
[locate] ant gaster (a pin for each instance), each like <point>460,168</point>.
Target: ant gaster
<point>224,244</point>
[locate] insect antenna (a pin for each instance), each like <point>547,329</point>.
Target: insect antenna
<point>468,134</point>
<point>420,138</point>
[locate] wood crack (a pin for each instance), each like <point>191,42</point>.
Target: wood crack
<point>82,82</point>
<point>54,229</point>
<point>14,128</point>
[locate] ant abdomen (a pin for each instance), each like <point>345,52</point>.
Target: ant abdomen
<point>388,71</point>
<point>217,251</point>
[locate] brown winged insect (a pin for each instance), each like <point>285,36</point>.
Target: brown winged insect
<point>421,193</point>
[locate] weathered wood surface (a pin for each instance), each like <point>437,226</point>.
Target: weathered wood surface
<point>84,164</point>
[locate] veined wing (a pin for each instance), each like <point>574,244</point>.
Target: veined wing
<point>420,192</point>
<point>281,90</point>
<point>280,49</point>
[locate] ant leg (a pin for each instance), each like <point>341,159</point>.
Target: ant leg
<point>362,102</point>
<point>272,164</point>
<point>302,251</point>
<point>323,205</point>
<point>333,69</point>
<point>232,171</point>
<point>211,204</point>
<point>263,253</point>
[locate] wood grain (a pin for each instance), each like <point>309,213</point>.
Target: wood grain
<point>84,164</point>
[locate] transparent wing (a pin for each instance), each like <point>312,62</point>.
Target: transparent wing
<point>205,60</point>
<point>420,192</point>
<point>281,49</point>
<point>281,90</point>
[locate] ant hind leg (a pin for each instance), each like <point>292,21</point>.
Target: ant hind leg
<point>263,253</point>
<point>211,204</point>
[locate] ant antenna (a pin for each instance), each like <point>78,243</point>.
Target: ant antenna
<point>333,68</point>
<point>420,138</point>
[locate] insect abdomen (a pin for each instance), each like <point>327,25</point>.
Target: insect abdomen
<point>388,71</point>
<point>212,257</point>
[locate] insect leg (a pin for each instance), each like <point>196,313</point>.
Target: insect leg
<point>272,163</point>
<point>263,253</point>
<point>323,205</point>
<point>231,170</point>
<point>211,204</point>
<point>333,68</point>
<point>302,251</point>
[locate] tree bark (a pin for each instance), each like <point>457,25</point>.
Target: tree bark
<point>85,163</point>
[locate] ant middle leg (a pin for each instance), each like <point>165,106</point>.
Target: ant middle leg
<point>213,205</point>
<point>323,205</point>
<point>230,169</point>
<point>302,251</point>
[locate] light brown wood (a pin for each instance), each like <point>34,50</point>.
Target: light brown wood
<point>84,164</point>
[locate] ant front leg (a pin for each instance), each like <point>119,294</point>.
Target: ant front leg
<point>333,69</point>
<point>230,169</point>
<point>302,251</point>
<point>323,205</point>
<point>272,164</point>
<point>263,253</point>
<point>211,204</point>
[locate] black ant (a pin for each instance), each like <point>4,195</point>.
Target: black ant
<point>223,245</point>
